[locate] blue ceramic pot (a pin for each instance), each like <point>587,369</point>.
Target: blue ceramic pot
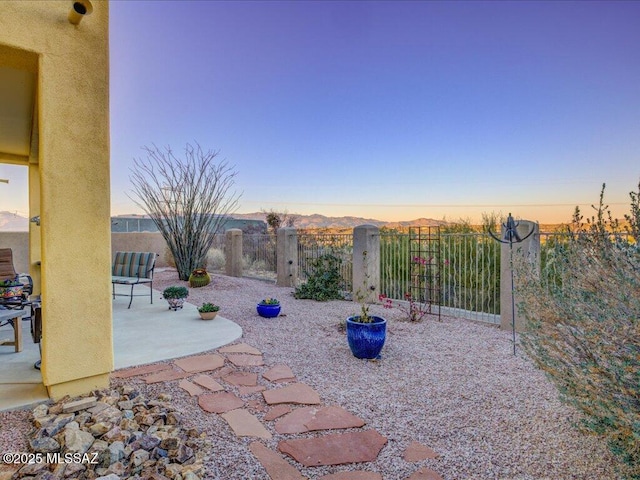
<point>366,339</point>
<point>268,311</point>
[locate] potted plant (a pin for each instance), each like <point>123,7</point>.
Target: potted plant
<point>175,295</point>
<point>208,310</point>
<point>366,333</point>
<point>199,278</point>
<point>268,307</point>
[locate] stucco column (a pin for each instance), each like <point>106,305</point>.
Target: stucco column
<point>366,263</point>
<point>233,257</point>
<point>287,257</point>
<point>529,250</point>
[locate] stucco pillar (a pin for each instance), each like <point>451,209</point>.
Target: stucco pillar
<point>529,250</point>
<point>287,257</point>
<point>366,263</point>
<point>233,257</point>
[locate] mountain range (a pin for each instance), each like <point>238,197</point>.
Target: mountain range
<point>12,222</point>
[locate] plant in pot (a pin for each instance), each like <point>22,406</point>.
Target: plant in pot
<point>268,307</point>
<point>366,333</point>
<point>199,278</point>
<point>175,295</point>
<point>208,310</point>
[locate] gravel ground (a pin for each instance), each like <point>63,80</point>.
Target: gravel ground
<point>453,385</point>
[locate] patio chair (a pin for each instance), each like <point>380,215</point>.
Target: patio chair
<point>133,268</point>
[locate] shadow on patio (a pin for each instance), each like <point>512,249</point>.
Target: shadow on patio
<point>144,334</point>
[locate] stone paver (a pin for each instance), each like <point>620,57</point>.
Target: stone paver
<point>165,376</point>
<point>359,475</point>
<point>244,424</point>
<point>425,474</point>
<point>240,348</point>
<point>208,382</point>
<point>257,405</point>
<point>294,393</point>
<point>308,419</point>
<point>191,388</point>
<point>277,467</point>
<point>417,452</point>
<point>335,449</point>
<point>134,372</point>
<point>200,363</point>
<point>279,373</point>
<point>242,378</point>
<point>219,402</point>
<point>276,412</point>
<point>245,360</point>
<point>250,390</point>
<point>226,370</point>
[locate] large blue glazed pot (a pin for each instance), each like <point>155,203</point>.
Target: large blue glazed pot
<point>268,311</point>
<point>366,339</point>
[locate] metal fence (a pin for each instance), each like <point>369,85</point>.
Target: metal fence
<point>259,256</point>
<point>469,273</point>
<point>312,246</point>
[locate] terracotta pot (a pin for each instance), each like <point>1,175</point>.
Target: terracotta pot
<point>208,315</point>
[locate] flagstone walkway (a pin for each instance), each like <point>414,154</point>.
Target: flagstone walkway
<point>287,407</point>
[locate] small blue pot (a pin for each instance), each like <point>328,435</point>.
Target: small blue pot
<point>366,339</point>
<point>268,311</point>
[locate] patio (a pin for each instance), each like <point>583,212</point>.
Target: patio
<point>146,333</point>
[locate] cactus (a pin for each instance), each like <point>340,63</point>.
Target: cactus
<point>199,278</point>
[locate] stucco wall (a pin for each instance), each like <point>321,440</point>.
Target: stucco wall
<point>141,242</point>
<point>70,186</point>
<point>18,242</point>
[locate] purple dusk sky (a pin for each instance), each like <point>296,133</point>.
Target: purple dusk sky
<point>386,109</point>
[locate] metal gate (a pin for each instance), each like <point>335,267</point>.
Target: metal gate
<point>425,267</point>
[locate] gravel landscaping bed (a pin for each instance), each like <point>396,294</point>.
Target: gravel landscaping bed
<point>453,385</point>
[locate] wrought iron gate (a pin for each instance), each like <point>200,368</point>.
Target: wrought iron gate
<point>425,271</point>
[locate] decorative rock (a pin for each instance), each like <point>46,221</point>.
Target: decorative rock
<point>200,363</point>
<point>335,449</point>
<point>208,382</point>
<point>78,405</point>
<point>191,388</point>
<point>308,419</point>
<point>416,452</point>
<point>219,402</point>
<point>425,474</point>
<point>40,411</point>
<point>134,372</point>
<point>138,457</point>
<point>359,475</point>
<point>77,441</point>
<point>100,428</point>
<point>242,378</point>
<point>279,373</point>
<point>276,466</point>
<point>44,445</point>
<point>276,412</point>
<point>244,360</point>
<point>165,376</point>
<point>244,424</point>
<point>111,476</point>
<point>295,393</point>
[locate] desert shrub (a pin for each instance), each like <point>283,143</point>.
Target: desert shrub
<point>324,281</point>
<point>584,326</point>
<point>215,259</point>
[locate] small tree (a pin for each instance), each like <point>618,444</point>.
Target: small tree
<point>188,199</point>
<point>275,220</point>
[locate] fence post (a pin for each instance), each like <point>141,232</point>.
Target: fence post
<point>366,263</point>
<point>233,256</point>
<point>286,257</point>
<point>529,250</point>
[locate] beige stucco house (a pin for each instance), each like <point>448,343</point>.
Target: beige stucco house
<point>54,120</point>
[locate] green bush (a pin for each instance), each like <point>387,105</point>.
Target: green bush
<point>584,326</point>
<point>324,281</point>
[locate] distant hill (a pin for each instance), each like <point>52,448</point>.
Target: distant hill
<point>321,221</point>
<point>12,222</point>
